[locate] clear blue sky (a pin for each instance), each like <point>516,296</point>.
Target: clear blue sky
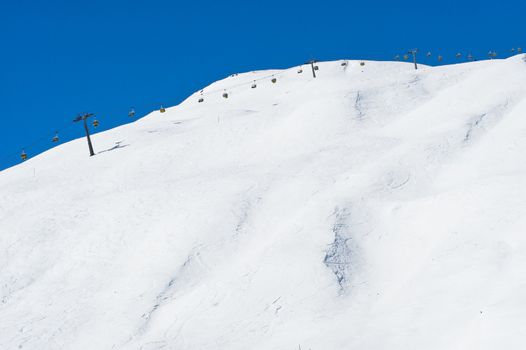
<point>59,58</point>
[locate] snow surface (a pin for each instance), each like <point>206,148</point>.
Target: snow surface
<point>374,207</point>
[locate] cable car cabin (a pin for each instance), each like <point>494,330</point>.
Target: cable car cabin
<point>225,95</point>
<point>23,155</point>
<point>200,100</point>
<point>362,63</point>
<point>162,109</point>
<point>273,80</point>
<point>95,123</point>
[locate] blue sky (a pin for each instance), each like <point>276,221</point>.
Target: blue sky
<point>60,58</point>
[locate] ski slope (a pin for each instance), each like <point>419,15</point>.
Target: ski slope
<point>374,207</point>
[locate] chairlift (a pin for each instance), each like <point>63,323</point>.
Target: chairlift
<point>458,55</point>
<point>225,94</point>
<point>95,123</point>
<point>300,70</point>
<point>273,80</point>
<point>55,138</point>
<point>406,57</point>
<point>470,57</point>
<point>519,49</point>
<point>316,68</point>
<point>254,85</point>
<point>343,64</point>
<point>428,54</point>
<point>440,58</point>
<point>162,109</point>
<point>397,58</point>
<point>131,113</point>
<point>23,155</point>
<point>362,63</point>
<point>200,99</point>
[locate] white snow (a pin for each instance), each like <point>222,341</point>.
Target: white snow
<point>374,207</point>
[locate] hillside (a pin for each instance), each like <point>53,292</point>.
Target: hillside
<point>374,207</point>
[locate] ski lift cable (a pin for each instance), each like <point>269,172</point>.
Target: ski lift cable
<point>249,82</point>
<point>67,126</point>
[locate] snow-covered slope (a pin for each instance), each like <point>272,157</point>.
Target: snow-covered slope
<point>374,207</point>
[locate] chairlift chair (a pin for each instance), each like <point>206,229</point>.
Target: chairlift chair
<point>254,85</point>
<point>95,123</point>
<point>273,80</point>
<point>162,109</point>
<point>23,155</point>
<point>131,113</point>
<point>225,94</point>
<point>55,138</point>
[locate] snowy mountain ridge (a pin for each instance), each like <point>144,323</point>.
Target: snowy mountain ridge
<point>371,207</point>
